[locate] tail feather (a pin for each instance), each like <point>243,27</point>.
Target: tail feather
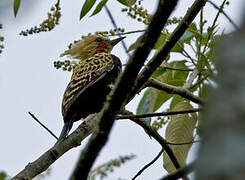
<point>66,128</point>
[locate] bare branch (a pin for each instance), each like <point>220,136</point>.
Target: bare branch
<point>39,122</point>
<point>55,152</point>
<point>157,60</point>
<point>115,26</point>
<point>123,87</point>
<point>225,14</point>
<point>180,172</point>
<point>153,133</point>
<point>175,90</point>
<point>158,114</point>
<point>148,165</point>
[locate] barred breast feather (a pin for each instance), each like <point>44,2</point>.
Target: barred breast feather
<point>88,85</point>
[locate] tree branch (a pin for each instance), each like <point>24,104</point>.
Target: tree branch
<point>180,172</point>
<point>115,26</point>
<point>225,14</point>
<point>157,60</point>
<point>39,122</point>
<point>148,165</point>
<point>158,114</point>
<point>116,99</point>
<point>153,133</point>
<point>175,90</point>
<point>55,152</point>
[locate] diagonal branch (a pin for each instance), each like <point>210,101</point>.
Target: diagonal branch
<point>55,152</point>
<point>116,99</point>
<point>175,90</point>
<point>148,165</point>
<point>157,60</point>
<point>158,114</point>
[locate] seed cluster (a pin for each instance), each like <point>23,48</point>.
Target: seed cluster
<point>1,40</point>
<point>48,24</point>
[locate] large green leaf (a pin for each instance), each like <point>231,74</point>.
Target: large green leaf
<point>16,6</point>
<point>99,7</point>
<point>179,130</point>
<point>172,77</point>
<point>86,7</point>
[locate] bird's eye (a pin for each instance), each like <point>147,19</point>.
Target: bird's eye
<point>99,39</point>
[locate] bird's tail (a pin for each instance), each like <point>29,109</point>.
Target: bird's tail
<point>66,128</point>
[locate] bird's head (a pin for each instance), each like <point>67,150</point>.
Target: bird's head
<point>91,45</point>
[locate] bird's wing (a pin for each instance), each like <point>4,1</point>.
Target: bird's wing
<point>85,75</point>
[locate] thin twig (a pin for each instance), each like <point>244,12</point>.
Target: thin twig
<point>158,114</point>
<point>225,14</point>
<point>115,26</point>
<point>213,25</point>
<point>157,60</point>
<point>129,32</point>
<point>184,171</point>
<point>148,165</point>
<point>184,143</point>
<point>50,132</point>
<point>175,90</point>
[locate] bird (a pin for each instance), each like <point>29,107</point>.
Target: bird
<point>91,80</point>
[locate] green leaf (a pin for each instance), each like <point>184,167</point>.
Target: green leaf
<point>180,129</point>
<point>159,72</point>
<point>3,175</point>
<point>127,2</point>
<point>176,99</point>
<point>160,41</point>
<point>186,37</point>
<point>175,77</point>
<point>16,6</point>
<point>86,7</point>
<point>135,44</point>
<point>178,47</point>
<point>99,7</point>
<point>145,105</point>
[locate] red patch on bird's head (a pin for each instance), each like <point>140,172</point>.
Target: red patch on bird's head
<point>101,46</point>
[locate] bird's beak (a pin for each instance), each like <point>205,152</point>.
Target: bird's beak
<point>115,41</point>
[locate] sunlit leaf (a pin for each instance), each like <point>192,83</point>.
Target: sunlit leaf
<point>86,7</point>
<point>16,6</point>
<point>99,7</point>
<point>158,72</point>
<point>180,129</point>
<point>178,47</point>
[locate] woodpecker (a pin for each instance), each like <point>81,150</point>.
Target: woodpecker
<point>91,80</point>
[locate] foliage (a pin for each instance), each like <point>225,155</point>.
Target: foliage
<point>180,129</point>
<point>195,53</point>
<point>4,176</point>
<point>103,170</point>
<point>48,24</point>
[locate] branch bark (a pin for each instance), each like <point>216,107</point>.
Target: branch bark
<point>157,60</point>
<point>175,90</point>
<point>117,98</point>
<point>55,152</point>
